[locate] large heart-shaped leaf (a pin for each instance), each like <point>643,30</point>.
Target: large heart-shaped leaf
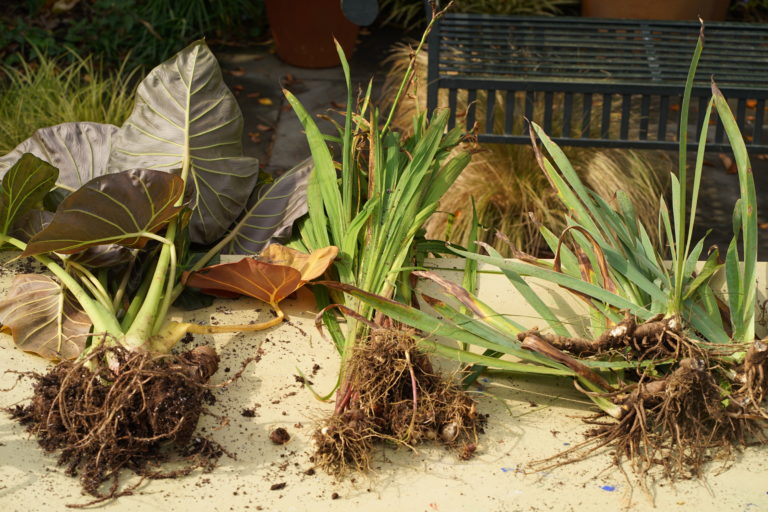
<point>119,208</point>
<point>103,256</point>
<point>23,186</point>
<point>31,223</point>
<point>185,114</point>
<point>78,150</point>
<point>264,280</point>
<point>272,210</point>
<point>258,279</point>
<point>44,318</point>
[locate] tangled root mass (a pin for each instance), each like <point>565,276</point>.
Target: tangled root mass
<point>695,408</point>
<point>107,420</point>
<point>392,393</point>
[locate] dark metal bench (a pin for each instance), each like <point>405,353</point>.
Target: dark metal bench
<point>594,82</point>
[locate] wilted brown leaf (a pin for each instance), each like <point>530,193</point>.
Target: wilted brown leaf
<point>43,318</point>
<point>264,281</point>
<point>310,265</point>
<point>277,273</point>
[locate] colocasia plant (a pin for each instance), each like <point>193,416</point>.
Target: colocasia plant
<point>675,363</point>
<point>112,213</point>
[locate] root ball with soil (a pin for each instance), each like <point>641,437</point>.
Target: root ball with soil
<point>122,415</point>
<point>692,406</point>
<point>392,393</point>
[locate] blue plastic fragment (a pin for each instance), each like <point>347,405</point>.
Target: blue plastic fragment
<point>609,488</point>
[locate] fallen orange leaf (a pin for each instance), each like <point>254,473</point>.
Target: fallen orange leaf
<point>265,101</point>
<point>278,272</point>
<point>310,265</point>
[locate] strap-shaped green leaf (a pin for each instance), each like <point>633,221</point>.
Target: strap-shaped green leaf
<point>122,208</point>
<point>78,150</point>
<point>23,186</point>
<point>746,213</point>
<point>44,318</point>
<point>186,115</point>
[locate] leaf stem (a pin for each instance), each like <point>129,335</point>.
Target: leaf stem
<point>103,320</point>
<point>216,329</point>
<point>92,283</point>
<point>138,299</point>
<point>410,70</point>
<point>168,296</point>
<point>118,298</point>
<point>142,326</point>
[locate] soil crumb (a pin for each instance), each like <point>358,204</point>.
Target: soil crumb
<point>279,436</point>
<point>133,412</point>
<point>392,393</point>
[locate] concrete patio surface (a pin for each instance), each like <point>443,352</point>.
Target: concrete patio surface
<point>529,420</point>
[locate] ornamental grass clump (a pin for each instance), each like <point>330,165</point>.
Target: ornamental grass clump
<point>49,90</point>
<point>113,213</point>
<point>504,182</point>
<point>374,210</point>
<point>674,365</point>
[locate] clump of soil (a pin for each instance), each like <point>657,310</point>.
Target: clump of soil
<point>694,407</point>
<point>104,420</point>
<point>279,436</point>
<point>392,393</point>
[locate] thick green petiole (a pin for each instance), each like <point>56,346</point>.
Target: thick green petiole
<point>103,319</point>
<point>141,329</point>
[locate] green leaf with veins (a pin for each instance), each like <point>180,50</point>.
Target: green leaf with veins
<point>98,256</point>
<point>272,210</point>
<point>24,185</point>
<point>122,208</point>
<point>78,150</point>
<point>185,114</point>
<point>44,318</point>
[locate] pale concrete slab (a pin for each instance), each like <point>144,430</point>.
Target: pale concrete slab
<point>529,420</point>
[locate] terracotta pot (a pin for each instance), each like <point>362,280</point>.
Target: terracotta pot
<point>656,9</point>
<point>303,31</point>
